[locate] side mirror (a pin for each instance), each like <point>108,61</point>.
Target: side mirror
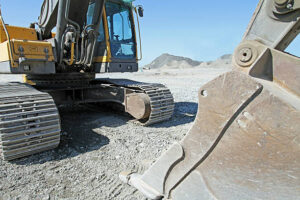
<point>141,11</point>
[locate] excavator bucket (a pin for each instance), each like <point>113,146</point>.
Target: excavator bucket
<point>245,141</point>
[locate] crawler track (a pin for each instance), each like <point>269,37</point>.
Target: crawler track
<point>161,99</point>
<point>29,121</point>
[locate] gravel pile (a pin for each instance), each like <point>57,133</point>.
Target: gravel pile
<point>172,62</point>
<point>97,145</point>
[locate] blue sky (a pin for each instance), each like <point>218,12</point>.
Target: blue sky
<point>199,29</point>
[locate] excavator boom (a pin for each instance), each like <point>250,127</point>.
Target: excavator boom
<point>245,141</point>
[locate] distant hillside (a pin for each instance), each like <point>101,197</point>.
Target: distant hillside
<point>223,61</point>
<point>170,61</point>
<point>167,61</point>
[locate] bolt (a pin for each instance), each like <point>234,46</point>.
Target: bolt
<point>21,49</point>
<point>204,93</point>
<point>245,55</point>
<point>289,6</point>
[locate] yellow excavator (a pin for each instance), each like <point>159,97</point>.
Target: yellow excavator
<point>92,36</point>
<point>245,141</point>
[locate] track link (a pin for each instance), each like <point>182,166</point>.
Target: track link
<point>161,99</point>
<point>161,102</point>
<point>29,121</point>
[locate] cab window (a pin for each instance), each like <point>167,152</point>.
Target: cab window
<point>121,33</point>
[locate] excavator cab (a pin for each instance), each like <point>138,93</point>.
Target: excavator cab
<point>95,36</point>
<point>117,39</point>
<point>121,34</point>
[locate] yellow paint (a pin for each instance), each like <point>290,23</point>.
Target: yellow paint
<point>31,50</point>
<point>4,52</point>
<point>25,80</point>
<point>4,27</point>
<point>108,57</point>
<point>17,33</point>
<point>72,54</point>
<point>101,59</point>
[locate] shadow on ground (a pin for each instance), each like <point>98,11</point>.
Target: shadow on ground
<point>78,129</point>
<point>78,134</point>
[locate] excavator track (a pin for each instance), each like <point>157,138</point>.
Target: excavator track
<point>161,99</point>
<point>29,121</point>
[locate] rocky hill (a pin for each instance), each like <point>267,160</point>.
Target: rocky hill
<point>167,61</point>
<point>222,62</point>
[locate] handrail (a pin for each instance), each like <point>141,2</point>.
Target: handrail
<point>140,38</point>
<point>8,39</point>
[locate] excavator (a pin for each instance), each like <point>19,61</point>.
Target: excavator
<point>245,141</point>
<point>59,57</point>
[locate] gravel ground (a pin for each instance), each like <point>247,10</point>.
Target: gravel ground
<point>97,145</point>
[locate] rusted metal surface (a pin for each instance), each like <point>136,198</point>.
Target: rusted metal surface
<point>257,158</point>
<point>138,105</point>
<point>244,144</point>
<point>272,65</point>
<point>159,96</point>
<point>273,27</point>
<point>245,141</point>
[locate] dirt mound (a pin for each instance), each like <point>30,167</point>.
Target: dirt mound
<point>222,62</point>
<point>167,61</point>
